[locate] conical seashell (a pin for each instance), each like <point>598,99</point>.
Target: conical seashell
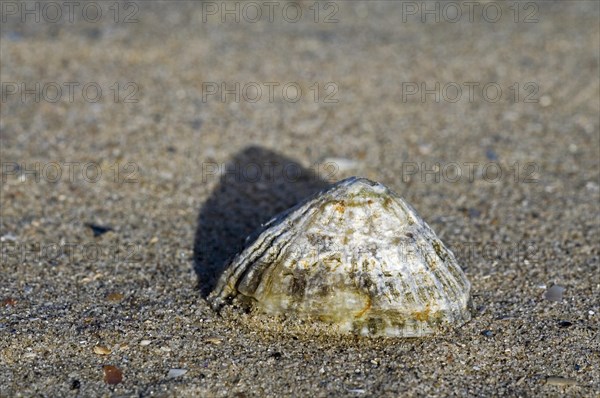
<point>356,256</point>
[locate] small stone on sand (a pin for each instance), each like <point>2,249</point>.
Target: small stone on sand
<point>555,293</point>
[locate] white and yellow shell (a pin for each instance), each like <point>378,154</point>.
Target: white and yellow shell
<point>356,256</point>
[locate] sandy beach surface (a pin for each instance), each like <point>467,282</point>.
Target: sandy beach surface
<point>141,142</point>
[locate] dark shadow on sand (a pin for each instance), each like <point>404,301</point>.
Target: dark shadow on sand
<point>258,185</point>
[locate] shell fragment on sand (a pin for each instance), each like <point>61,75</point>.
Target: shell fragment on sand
<point>356,256</point>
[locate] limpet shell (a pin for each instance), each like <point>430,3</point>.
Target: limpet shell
<point>356,256</point>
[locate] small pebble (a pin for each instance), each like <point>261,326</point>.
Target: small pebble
<point>8,238</point>
<point>545,101</point>
<point>473,213</point>
<point>425,149</point>
<point>214,340</point>
<point>560,381</point>
<point>555,293</point>
<point>487,333</point>
<point>564,324</point>
<point>98,230</point>
<point>592,186</point>
<point>101,350</point>
<point>112,374</point>
<point>144,343</point>
<point>490,154</point>
<point>115,296</point>
<point>520,381</point>
<point>173,373</point>
<point>9,302</point>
